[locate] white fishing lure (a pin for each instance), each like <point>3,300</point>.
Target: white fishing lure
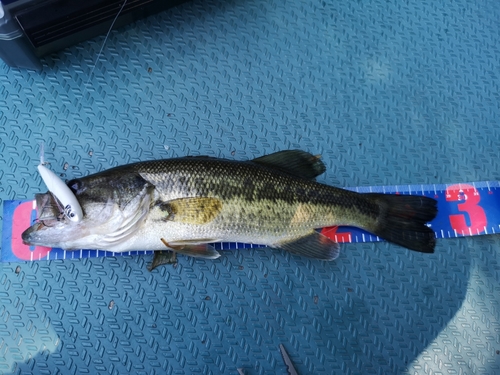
<point>72,209</point>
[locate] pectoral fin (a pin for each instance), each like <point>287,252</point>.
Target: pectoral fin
<point>201,210</point>
<point>314,245</point>
<point>162,257</point>
<point>197,248</point>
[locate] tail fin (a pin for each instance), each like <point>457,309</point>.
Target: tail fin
<point>402,220</point>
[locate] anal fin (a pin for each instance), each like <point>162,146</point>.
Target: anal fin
<point>313,245</point>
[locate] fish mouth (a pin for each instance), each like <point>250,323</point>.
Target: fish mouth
<point>50,212</point>
<point>28,236</point>
<point>48,207</point>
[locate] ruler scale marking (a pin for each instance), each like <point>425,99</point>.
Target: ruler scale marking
<point>452,205</point>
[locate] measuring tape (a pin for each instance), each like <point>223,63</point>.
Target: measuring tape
<point>465,209</point>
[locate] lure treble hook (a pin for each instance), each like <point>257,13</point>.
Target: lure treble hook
<point>71,208</point>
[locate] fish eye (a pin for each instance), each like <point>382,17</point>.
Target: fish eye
<point>75,185</point>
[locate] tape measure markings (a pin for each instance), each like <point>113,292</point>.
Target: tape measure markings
<point>464,209</point>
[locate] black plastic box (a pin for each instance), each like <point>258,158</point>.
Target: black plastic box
<point>30,29</point>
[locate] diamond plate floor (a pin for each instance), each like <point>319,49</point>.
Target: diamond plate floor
<point>388,92</point>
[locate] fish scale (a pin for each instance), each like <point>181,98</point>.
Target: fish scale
<point>222,178</point>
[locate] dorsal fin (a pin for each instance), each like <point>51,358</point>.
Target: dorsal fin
<point>295,162</point>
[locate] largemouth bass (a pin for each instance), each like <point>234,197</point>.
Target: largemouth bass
<point>186,203</point>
